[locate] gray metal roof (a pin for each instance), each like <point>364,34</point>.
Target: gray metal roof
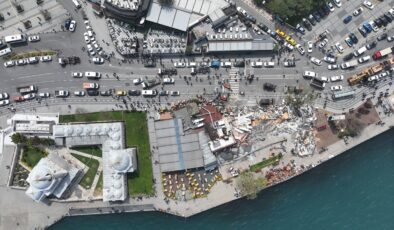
<point>177,151</point>
<point>240,45</point>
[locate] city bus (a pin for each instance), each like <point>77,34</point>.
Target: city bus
<point>343,95</point>
<point>15,39</point>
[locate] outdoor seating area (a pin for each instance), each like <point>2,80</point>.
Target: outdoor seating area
<point>189,184</point>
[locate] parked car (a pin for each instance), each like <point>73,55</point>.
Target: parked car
<point>98,60</point>
<point>348,57</point>
<point>354,38</point>
<point>29,96</point>
<point>329,59</point>
<point>364,59</point>
<point>339,47</point>
<point>338,3</point>
<point>333,67</point>
<point>77,74</point>
<point>300,49</point>
<point>310,46</point>
<point>336,88</point>
<point>44,95</point>
<point>175,93</point>
<point>371,45</point>
<point>336,78</point>
<point>79,93</point>
<point>4,96</point>
<point>323,43</point>
<point>368,4</point>
<point>137,81</point>
<point>72,26</point>
<point>316,61</point>
<point>134,92</point>
<point>382,37</point>
<point>4,102</point>
<point>46,58</point>
<point>34,38</point>
<point>106,93</point>
<point>164,93</point>
<point>9,63</point>
<point>358,11</point>
<point>390,38</point>
<point>349,42</point>
<point>347,19</point>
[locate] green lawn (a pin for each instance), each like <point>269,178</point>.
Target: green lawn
<point>32,155</point>
<point>92,150</point>
<point>93,165</point>
<point>99,186</point>
<point>265,163</point>
<point>136,135</point>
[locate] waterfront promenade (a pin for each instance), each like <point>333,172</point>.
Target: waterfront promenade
<point>20,212</point>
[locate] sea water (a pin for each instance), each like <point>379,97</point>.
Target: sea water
<point>352,191</point>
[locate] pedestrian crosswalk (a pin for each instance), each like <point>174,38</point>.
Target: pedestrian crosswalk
<point>234,83</point>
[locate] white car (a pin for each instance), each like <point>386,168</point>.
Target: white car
<point>331,6</point>
<point>21,62</point>
<point>373,78</point>
<point>374,26</point>
<point>316,61</point>
<point>310,46</point>
<point>336,78</point>
<point>44,95</point>
<point>137,81</point>
<point>4,102</point>
<point>339,47</point>
<point>168,80</point>
<point>33,60</point>
<point>87,39</point>
<point>368,4</point>
<point>325,79</point>
<point>323,43</point>
<point>391,11</point>
<point>77,74</point>
<point>4,96</point>
<point>349,42</point>
<point>300,49</point>
<point>29,96</point>
<point>333,67</point>
<point>34,38</point>
<point>179,65</point>
<point>383,74</point>
<point>9,63</point>
<point>364,59</point>
<point>390,38</point>
<point>98,60</point>
<point>329,60</point>
<point>46,58</point>
<point>338,3</point>
<point>336,88</point>
<point>73,24</point>
<point>79,93</point>
<point>358,11</point>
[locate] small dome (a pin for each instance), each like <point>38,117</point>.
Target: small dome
<point>118,194</point>
<point>117,184</point>
<point>120,162</point>
<point>41,178</point>
<point>115,145</point>
<point>116,176</point>
<point>115,128</point>
<point>87,129</point>
<point>69,130</point>
<point>78,130</point>
<point>115,136</point>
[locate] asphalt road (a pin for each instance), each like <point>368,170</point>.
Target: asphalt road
<point>51,76</point>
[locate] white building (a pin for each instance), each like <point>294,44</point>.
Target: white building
<point>33,124</point>
<point>116,159</point>
<point>50,178</point>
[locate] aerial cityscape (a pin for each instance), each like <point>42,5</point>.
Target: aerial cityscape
<point>181,106</point>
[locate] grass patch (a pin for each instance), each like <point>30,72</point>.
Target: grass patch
<point>99,186</point>
<point>93,165</point>
<point>17,56</point>
<point>267,162</point>
<point>136,126</point>
<point>91,150</point>
<point>32,155</point>
<point>292,11</point>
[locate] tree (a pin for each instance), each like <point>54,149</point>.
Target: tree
<point>250,186</point>
<point>18,138</point>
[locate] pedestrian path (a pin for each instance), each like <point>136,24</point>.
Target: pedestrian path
<point>234,83</point>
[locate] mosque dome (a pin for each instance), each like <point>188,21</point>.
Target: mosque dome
<point>120,162</point>
<point>42,178</point>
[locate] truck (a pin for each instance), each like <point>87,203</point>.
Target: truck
<point>349,64</point>
<point>360,51</point>
<point>63,61</point>
<point>359,77</point>
<point>26,89</point>
<point>169,71</point>
<point>61,93</point>
<point>382,53</point>
<point>150,83</point>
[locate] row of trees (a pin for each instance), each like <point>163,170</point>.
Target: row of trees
<point>19,138</point>
<point>249,186</point>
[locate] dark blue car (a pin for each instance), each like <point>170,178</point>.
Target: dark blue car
<point>347,19</point>
<point>367,27</point>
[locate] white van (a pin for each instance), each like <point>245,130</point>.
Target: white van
<point>149,93</point>
<point>256,64</point>
<point>76,3</point>
<point>309,74</point>
<point>92,75</point>
<point>226,64</point>
<point>360,51</point>
<point>5,51</point>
